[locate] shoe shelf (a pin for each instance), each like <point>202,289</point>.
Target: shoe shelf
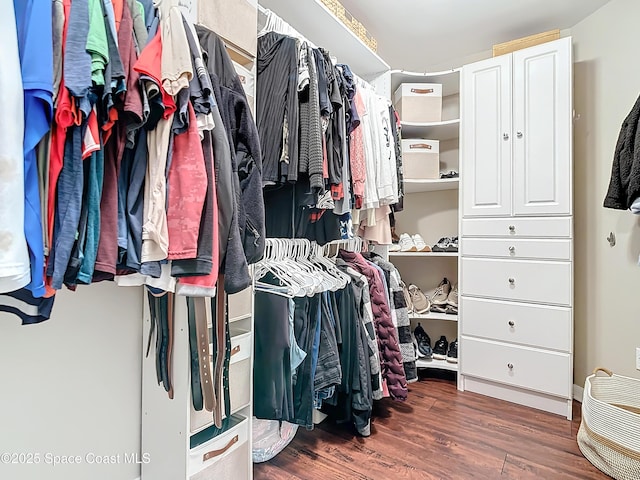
<point>424,254</point>
<point>430,185</point>
<point>445,130</point>
<point>434,316</point>
<point>435,363</point>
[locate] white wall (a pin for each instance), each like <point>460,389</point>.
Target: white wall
<point>607,287</point>
<point>72,385</point>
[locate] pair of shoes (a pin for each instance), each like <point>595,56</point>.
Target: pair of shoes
<point>413,243</point>
<point>448,309</point>
<point>442,293</point>
<point>446,244</point>
<point>451,174</point>
<point>422,343</point>
<point>420,303</point>
<point>442,350</point>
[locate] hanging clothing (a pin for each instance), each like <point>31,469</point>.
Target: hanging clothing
<point>14,255</point>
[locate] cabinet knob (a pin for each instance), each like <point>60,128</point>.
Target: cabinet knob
<point>519,134</point>
<point>510,366</point>
<point>505,136</point>
<point>512,228</point>
<point>512,281</point>
<point>512,249</point>
<point>512,323</point>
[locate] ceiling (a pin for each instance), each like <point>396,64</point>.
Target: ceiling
<point>422,34</point>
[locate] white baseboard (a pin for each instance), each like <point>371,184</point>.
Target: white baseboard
<point>578,393</point>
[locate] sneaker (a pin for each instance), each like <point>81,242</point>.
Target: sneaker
<point>451,310</point>
<point>452,354</point>
<point>453,245</point>
<point>440,348</point>
<point>419,300</point>
<point>407,298</point>
<point>422,342</point>
<point>439,308</point>
<point>441,294</point>
<point>452,298</point>
<point>442,245</point>
<point>394,247</point>
<point>420,244</point>
<point>406,243</point>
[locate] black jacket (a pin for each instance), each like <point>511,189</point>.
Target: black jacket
<point>624,186</point>
<point>246,160</point>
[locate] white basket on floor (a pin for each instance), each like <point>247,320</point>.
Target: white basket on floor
<point>609,435</point>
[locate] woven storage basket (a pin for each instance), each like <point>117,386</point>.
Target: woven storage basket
<point>609,435</point>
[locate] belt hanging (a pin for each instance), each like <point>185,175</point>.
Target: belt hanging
<point>196,388</point>
<point>204,355</point>
<point>220,351</point>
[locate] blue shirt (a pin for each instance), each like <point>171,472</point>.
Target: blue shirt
<point>35,43</point>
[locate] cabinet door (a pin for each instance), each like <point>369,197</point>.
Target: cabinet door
<point>542,100</point>
<point>486,138</point>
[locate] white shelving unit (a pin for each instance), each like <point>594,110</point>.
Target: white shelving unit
<point>434,316</point>
<point>431,206</point>
<point>318,24</point>
<point>435,363</point>
<point>444,130</point>
<point>431,185</point>
<point>424,254</point>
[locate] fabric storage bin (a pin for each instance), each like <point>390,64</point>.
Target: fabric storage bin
<point>248,83</point>
<point>419,102</point>
<point>609,434</point>
<point>240,304</point>
<point>241,31</point>
<point>421,159</point>
<point>239,379</point>
<point>224,456</point>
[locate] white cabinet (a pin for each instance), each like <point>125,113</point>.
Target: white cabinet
<point>517,133</point>
<point>516,268</point>
<point>542,119</point>
<point>486,146</point>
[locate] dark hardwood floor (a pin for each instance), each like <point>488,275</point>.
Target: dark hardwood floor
<point>439,433</point>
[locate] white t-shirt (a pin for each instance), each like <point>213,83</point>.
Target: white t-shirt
<point>14,256</point>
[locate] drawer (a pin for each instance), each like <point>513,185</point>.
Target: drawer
<point>240,376</point>
<point>225,456</point>
<point>534,325</point>
<point>547,227</point>
<point>530,368</point>
<point>517,248</point>
<point>524,280</point>
<point>240,304</point>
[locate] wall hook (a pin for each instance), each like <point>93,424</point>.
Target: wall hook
<point>612,239</point>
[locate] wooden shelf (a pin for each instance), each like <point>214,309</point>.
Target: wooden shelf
<point>441,364</point>
<point>424,254</point>
<point>434,316</point>
<point>430,185</point>
<point>445,130</point>
<point>450,79</point>
<point>321,27</point>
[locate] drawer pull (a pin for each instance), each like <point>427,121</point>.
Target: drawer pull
<point>235,350</point>
<point>512,281</point>
<point>512,323</point>
<point>505,136</point>
<point>510,365</point>
<point>519,134</point>
<point>512,228</point>
<point>512,250</point>
<point>217,453</point>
